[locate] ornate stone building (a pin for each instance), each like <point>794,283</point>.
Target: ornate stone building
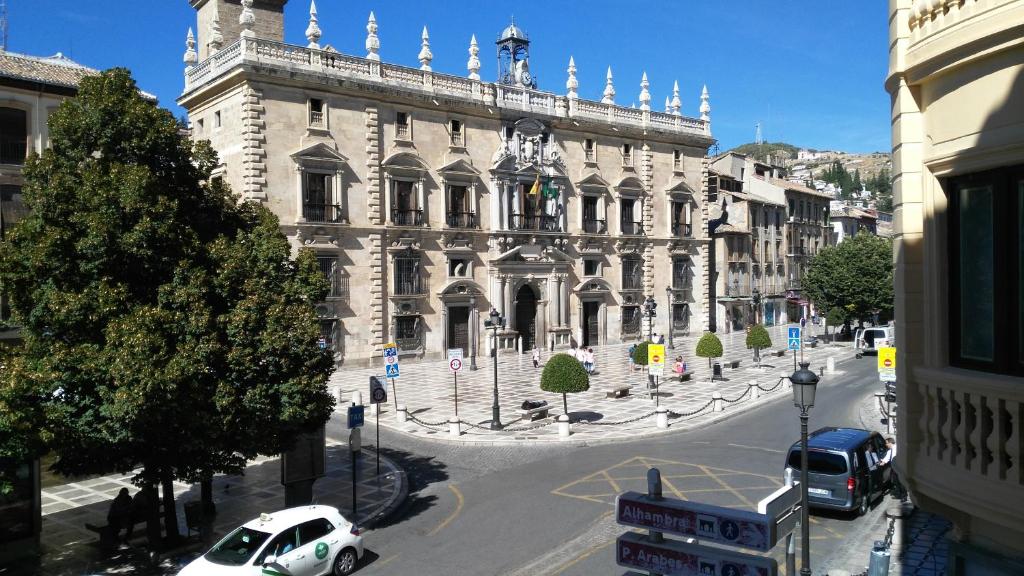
<point>956,80</point>
<point>431,198</point>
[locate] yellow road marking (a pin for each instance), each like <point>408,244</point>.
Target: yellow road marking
<point>384,562</point>
<point>666,482</point>
<point>734,492</point>
<point>586,554</point>
<point>615,485</point>
<point>458,509</point>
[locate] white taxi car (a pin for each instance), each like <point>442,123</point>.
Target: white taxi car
<point>303,541</point>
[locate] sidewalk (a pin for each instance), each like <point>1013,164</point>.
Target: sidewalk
<point>70,549</point>
<point>427,390</point>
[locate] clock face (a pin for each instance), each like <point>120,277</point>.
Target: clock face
<point>526,78</point>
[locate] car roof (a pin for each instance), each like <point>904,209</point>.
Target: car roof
<point>274,522</point>
<point>835,438</point>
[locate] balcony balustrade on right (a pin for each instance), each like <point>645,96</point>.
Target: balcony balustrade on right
<point>631,228</point>
<point>461,220</point>
<point>595,226</point>
<point>539,222</point>
<point>321,212</point>
<point>682,230</point>
<point>406,217</point>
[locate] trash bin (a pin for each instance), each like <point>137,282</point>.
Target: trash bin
<point>193,515</point>
<point>716,371</point>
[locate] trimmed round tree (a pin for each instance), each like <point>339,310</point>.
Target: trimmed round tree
<point>709,346</point>
<point>758,339</point>
<point>564,374</point>
<point>640,354</point>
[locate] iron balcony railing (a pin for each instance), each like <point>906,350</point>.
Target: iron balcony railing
<point>409,285</point>
<point>682,230</point>
<point>402,131</point>
<point>632,282</point>
<point>632,228</point>
<point>406,217</point>
<point>12,151</point>
<point>595,226</point>
<point>321,212</point>
<point>631,321</point>
<point>461,219</point>
<point>537,222</point>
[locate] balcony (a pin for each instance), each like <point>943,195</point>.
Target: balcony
<point>402,131</point>
<point>542,223</point>
<point>406,217</point>
<point>589,156</point>
<point>321,212</point>
<point>461,220</point>
<point>595,226</point>
<point>316,119</point>
<point>410,285</point>
<point>457,140</point>
<point>12,151</point>
<point>682,230</point>
<point>632,228</point>
<point>736,290</point>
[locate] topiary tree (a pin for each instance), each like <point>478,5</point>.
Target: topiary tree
<point>709,346</point>
<point>564,374</point>
<point>758,339</point>
<point>640,354</point>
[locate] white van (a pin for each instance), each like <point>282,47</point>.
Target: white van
<point>869,340</point>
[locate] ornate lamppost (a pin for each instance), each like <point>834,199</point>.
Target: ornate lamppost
<point>805,382</point>
<point>474,326</point>
<point>494,323</point>
<point>755,297</point>
<point>650,307</point>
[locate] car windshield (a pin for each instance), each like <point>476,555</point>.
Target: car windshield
<point>819,462</point>
<point>238,547</point>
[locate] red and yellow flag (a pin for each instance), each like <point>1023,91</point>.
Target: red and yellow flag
<point>536,187</point>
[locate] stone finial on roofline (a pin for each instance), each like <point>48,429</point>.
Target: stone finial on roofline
<point>677,104</point>
<point>668,105</point>
<point>313,32</point>
<point>609,90</point>
<point>425,54</point>
<point>372,42</point>
<point>247,19</point>
<point>645,94</point>
<point>473,64</point>
<point>216,38</point>
<point>705,106</point>
<point>572,83</point>
<point>191,56</point>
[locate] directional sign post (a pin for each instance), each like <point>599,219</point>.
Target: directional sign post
<point>391,367</point>
<point>378,396</point>
<point>634,550</point>
<point>794,343</point>
<point>454,365</point>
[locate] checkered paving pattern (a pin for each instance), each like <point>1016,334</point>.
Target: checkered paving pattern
<point>427,389</point>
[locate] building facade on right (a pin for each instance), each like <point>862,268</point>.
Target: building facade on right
<point>956,79</point>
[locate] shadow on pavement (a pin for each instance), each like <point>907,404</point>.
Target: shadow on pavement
<point>587,415</point>
<point>420,472</point>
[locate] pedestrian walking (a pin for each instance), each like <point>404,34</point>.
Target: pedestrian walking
<point>536,357</point>
<point>632,349</point>
<point>588,361</point>
<point>896,486</point>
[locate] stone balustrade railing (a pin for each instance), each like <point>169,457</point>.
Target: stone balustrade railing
<point>271,53</point>
<point>928,17</point>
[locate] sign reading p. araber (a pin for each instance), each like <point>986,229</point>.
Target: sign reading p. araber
<point>632,550</point>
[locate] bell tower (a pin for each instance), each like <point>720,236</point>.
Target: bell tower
<point>222,16</point>
<point>514,58</point>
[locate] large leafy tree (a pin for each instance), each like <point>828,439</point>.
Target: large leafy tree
<point>166,326</point>
<point>856,275</point>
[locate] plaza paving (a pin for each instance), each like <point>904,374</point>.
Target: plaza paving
<point>427,391</point>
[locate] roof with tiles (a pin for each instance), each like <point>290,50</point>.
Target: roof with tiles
<point>796,187</point>
<point>57,70</point>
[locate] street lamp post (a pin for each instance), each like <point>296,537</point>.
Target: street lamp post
<point>474,327</point>
<point>649,310</point>
<point>755,297</point>
<point>805,382</point>
<point>495,322</point>
<point>671,316</point>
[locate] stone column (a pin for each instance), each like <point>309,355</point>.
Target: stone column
<point>542,321</point>
<point>388,200</point>
<point>444,328</point>
<point>602,324</point>
<point>421,197</point>
<point>563,300</point>
<point>496,196</point>
<point>300,173</point>
<point>502,297</point>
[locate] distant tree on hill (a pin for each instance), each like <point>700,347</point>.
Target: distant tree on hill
<point>857,185</point>
<point>763,151</point>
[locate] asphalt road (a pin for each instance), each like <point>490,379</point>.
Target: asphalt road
<point>541,509</point>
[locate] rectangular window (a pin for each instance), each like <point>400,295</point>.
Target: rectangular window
<point>317,202</point>
<point>199,126</point>
<point>13,135</point>
<point>588,150</point>
<point>626,217</point>
<point>713,189</point>
<point>986,288</point>
<point>216,119</point>
<point>680,273</point>
<point>627,154</point>
<point>632,273</point>
<point>316,113</point>
<point>592,223</point>
<point>630,320</point>
<point>456,133</point>
<point>458,267</point>
<point>677,159</point>
<point>331,271</point>
<point>591,267</point>
<point>407,332</point>
<point>328,334</point>
<point>460,213</point>
<point>402,131</point>
<point>404,204</point>
<point>408,281</point>
<point>680,317</point>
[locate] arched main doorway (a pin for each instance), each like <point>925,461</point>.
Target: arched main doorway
<point>526,317</point>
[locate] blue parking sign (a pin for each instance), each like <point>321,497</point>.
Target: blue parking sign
<point>794,339</point>
<point>355,416</point>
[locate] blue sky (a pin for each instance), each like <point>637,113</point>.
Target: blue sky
<point>810,72</point>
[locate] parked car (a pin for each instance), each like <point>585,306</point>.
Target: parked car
<point>841,468</point>
<point>869,340</point>
<point>303,541</point>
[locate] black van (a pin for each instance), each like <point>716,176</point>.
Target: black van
<point>841,468</point>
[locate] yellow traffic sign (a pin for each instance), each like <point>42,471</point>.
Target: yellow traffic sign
<point>655,354</point>
<point>886,359</point>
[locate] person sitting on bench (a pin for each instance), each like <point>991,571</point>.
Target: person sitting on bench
<point>120,515</point>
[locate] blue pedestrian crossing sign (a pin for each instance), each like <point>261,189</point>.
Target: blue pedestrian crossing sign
<point>794,338</point>
<point>391,360</point>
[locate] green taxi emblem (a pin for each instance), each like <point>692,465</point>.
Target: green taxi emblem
<point>320,551</point>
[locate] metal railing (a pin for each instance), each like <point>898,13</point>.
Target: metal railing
<point>632,282</point>
<point>461,219</point>
<point>632,228</point>
<point>409,285</point>
<point>316,118</point>
<point>539,222</point>
<point>321,212</point>
<point>12,151</point>
<point>682,230</point>
<point>402,131</point>
<point>456,139</point>
<point>406,217</point>
<point>595,226</point>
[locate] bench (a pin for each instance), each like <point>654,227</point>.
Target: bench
<point>734,363</point>
<point>535,413</point>
<point>779,352</point>
<point>685,375</point>
<point>618,391</point>
<point>811,343</point>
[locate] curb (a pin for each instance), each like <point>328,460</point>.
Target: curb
<point>374,517</point>
<point>677,427</point>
